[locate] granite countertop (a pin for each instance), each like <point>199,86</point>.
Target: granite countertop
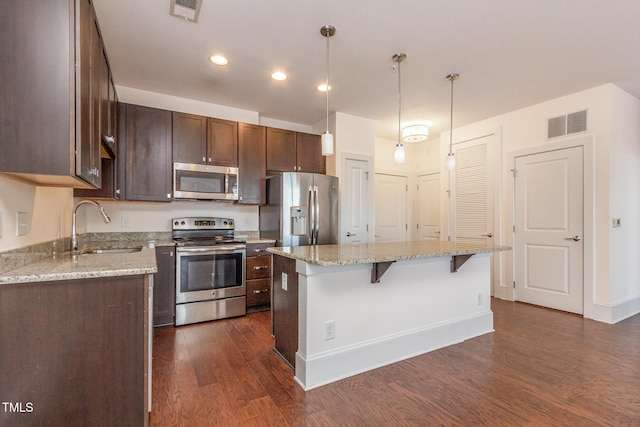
<point>335,255</point>
<point>65,266</point>
<point>260,240</point>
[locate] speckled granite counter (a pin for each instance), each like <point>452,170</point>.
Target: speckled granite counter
<point>334,255</point>
<point>64,266</point>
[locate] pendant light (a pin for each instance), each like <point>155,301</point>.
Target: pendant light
<point>451,158</point>
<point>327,136</point>
<point>398,154</point>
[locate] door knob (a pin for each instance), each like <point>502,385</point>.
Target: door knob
<point>350,234</point>
<point>574,238</point>
<point>487,235</point>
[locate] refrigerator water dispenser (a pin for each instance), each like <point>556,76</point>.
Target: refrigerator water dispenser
<point>299,220</point>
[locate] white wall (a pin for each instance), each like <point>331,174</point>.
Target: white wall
<point>49,213</point>
<point>624,201</point>
<point>613,123</point>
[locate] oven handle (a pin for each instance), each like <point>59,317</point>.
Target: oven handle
<point>211,249</point>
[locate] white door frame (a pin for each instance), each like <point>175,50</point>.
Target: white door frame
<point>586,142</point>
<point>371,187</point>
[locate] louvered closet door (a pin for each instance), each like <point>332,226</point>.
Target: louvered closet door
<point>472,192</point>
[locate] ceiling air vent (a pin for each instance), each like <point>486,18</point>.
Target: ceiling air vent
<point>567,124</point>
<point>186,9</point>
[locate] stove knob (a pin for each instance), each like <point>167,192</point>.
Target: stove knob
<point>183,223</point>
<point>176,223</point>
<point>225,223</point>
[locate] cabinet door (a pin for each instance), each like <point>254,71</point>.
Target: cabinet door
<point>148,154</point>
<point>222,142</point>
<point>252,147</point>
<point>83,119</point>
<point>309,156</point>
<point>164,287</point>
<point>189,138</point>
<point>281,150</point>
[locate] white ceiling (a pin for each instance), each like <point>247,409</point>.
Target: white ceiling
<point>510,54</point>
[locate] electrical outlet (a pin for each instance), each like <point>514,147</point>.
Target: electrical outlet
<point>329,330</point>
<point>22,223</point>
<point>124,222</point>
<point>247,222</point>
<point>480,302</point>
<point>284,281</point>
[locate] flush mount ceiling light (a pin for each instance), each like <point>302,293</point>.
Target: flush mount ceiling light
<point>218,60</point>
<point>189,10</point>
<point>415,133</point>
<point>327,137</point>
<point>398,154</point>
<point>279,75</point>
<point>322,87</point>
<point>451,158</point>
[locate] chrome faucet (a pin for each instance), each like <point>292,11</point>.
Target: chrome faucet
<point>74,234</point>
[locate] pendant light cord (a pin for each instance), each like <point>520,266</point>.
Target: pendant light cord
<point>451,118</point>
<point>327,82</point>
<point>399,103</point>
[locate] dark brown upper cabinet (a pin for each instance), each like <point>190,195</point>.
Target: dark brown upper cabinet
<point>202,140</point>
<point>309,156</point>
<point>222,142</point>
<point>252,152</point>
<point>289,151</point>
<point>147,150</point>
<point>189,138</point>
<point>48,134</point>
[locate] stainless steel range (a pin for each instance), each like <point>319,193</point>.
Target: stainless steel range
<point>210,265</point>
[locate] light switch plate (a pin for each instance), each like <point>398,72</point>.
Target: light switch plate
<point>284,281</point>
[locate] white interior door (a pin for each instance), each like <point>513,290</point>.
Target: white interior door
<point>429,206</point>
<point>472,191</point>
<point>391,208</point>
<point>355,202</point>
<point>549,209</point>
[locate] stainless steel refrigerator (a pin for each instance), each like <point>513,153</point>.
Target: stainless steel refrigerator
<point>301,209</point>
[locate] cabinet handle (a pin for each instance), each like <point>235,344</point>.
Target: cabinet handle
<point>261,267</point>
<point>258,250</point>
<point>263,291</point>
<point>204,160</point>
<point>117,191</point>
<point>168,195</point>
<point>209,159</point>
<point>109,139</point>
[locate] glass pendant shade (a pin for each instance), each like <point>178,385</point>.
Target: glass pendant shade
<point>451,162</point>
<point>398,154</point>
<point>327,144</point>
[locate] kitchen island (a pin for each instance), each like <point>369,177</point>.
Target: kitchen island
<point>339,310</point>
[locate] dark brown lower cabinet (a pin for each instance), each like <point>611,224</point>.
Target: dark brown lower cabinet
<point>258,275</point>
<point>164,287</point>
<point>73,353</point>
<point>284,310</point>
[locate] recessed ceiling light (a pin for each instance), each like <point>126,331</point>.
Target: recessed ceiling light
<point>218,60</point>
<point>279,75</point>
<point>322,87</point>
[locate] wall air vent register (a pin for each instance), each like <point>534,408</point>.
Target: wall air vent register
<point>567,124</point>
<point>189,10</point>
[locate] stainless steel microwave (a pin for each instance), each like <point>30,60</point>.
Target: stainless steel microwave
<point>204,182</point>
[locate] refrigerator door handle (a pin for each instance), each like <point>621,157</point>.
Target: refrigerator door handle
<point>317,214</point>
<point>312,215</point>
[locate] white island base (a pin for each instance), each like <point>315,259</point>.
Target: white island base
<point>417,307</point>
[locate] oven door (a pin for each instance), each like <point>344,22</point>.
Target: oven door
<point>208,273</point>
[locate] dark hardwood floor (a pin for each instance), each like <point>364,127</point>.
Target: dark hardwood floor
<point>539,368</point>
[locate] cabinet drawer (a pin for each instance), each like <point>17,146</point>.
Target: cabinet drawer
<point>258,292</point>
<point>258,249</point>
<point>258,267</point>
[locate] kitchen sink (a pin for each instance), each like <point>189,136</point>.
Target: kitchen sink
<point>113,250</point>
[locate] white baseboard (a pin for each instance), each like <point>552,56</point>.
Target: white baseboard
<point>332,366</point>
